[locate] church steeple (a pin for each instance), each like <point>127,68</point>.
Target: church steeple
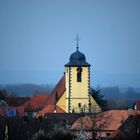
<point>77,41</point>
<point>77,82</point>
<point>77,59</point>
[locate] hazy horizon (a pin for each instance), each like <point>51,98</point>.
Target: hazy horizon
<point>38,37</point>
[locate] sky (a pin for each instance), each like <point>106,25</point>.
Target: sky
<point>37,38</point>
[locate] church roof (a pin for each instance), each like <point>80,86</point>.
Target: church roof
<point>50,109</point>
<point>59,90</point>
<point>77,59</point>
<point>50,105</point>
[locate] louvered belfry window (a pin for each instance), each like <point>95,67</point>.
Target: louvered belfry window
<point>79,74</point>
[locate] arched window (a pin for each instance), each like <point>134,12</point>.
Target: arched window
<point>79,74</point>
<point>73,111</point>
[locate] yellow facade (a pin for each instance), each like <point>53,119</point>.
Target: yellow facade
<point>62,102</point>
<point>77,93</point>
<point>77,98</point>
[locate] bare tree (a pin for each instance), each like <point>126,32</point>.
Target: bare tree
<point>93,123</point>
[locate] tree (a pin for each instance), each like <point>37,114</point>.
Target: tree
<point>130,128</point>
<point>99,99</point>
<point>91,125</point>
<point>3,94</point>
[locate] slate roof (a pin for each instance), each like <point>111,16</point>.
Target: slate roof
<point>77,59</point>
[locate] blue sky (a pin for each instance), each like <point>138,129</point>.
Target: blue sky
<point>38,36</point>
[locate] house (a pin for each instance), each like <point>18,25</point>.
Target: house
<point>72,93</point>
<point>102,124</point>
<point>3,103</point>
<point>12,111</point>
<point>129,130</point>
<point>11,107</point>
<point>35,104</point>
<point>137,105</point>
<point>16,101</point>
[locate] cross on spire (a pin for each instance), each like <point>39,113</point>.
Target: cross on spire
<point>77,41</point>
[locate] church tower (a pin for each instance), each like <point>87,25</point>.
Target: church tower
<point>72,93</point>
<point>77,74</point>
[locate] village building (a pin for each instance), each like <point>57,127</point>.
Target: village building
<point>35,104</point>
<point>3,103</point>
<point>11,107</point>
<point>108,124</point>
<point>12,111</point>
<point>137,105</point>
<point>72,93</point>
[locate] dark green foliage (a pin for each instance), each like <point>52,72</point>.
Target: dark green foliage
<point>34,129</point>
<point>99,98</point>
<point>59,135</point>
<point>3,94</point>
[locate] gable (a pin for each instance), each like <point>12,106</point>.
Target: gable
<point>51,101</point>
<point>62,101</point>
<point>59,90</point>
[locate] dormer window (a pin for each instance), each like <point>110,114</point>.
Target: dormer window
<point>79,74</point>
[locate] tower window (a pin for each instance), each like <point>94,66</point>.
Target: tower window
<point>79,104</point>
<point>73,111</point>
<point>79,74</point>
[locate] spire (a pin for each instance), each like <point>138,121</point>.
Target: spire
<point>77,41</point>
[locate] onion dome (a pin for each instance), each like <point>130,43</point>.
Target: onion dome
<point>77,59</point>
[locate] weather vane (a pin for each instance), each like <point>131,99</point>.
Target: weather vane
<point>77,41</point>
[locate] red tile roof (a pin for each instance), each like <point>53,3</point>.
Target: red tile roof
<point>137,105</point>
<point>59,90</point>
<point>36,103</point>
<point>51,101</point>
<point>50,109</point>
<point>115,134</point>
<point>109,120</point>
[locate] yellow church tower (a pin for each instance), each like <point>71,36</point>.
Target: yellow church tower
<point>77,74</point>
<point>72,93</point>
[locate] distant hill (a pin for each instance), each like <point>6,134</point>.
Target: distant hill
<point>111,93</point>
<point>117,93</point>
<point>26,89</point>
